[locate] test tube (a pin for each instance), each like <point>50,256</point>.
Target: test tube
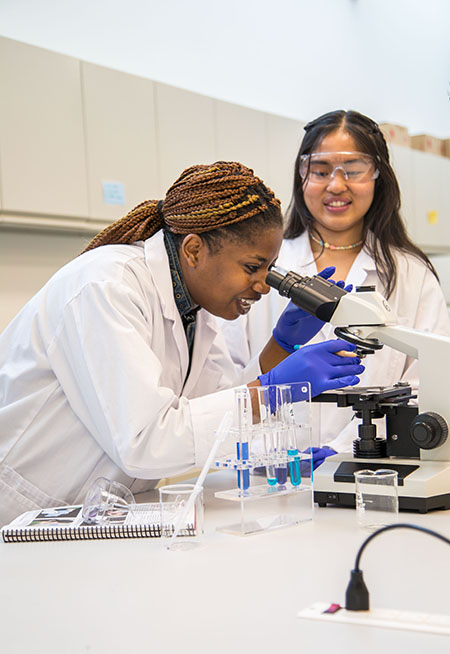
<point>291,430</point>
<point>268,433</point>
<point>244,414</point>
<point>280,432</point>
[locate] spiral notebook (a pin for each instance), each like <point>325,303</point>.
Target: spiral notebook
<point>66,523</point>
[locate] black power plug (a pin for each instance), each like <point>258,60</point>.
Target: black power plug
<point>357,595</point>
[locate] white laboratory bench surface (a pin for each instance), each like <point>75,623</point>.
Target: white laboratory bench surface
<point>233,594</point>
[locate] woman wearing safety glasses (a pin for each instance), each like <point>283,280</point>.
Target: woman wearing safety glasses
<point>345,212</point>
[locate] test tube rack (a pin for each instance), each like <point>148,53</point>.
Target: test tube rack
<point>283,429</point>
<point>262,507</point>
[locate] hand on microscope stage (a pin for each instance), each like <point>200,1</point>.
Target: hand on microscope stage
<point>295,326</point>
<point>320,365</point>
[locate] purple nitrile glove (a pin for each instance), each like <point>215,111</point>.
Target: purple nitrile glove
<point>295,326</point>
<point>319,365</point>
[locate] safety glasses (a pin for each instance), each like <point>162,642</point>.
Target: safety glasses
<point>321,167</point>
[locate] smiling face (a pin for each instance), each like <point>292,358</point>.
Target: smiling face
<point>227,282</point>
<point>337,205</point>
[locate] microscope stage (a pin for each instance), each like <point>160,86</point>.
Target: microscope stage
<point>422,485</point>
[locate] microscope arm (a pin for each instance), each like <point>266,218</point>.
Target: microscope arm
<point>433,354</point>
<point>431,350</point>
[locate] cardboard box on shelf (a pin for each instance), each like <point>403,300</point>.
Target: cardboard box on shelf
<point>396,134</point>
<point>426,143</point>
<point>446,147</point>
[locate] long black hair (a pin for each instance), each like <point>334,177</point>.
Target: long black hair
<point>383,218</point>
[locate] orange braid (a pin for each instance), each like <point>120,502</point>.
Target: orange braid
<point>204,197</point>
<point>140,223</point>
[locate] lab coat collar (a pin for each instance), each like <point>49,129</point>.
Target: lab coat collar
<point>158,264</point>
<point>362,266</point>
<point>205,333</point>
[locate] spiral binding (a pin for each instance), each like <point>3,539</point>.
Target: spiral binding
<point>90,532</point>
<point>87,532</point>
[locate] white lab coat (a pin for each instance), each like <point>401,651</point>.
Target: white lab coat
<point>92,381</point>
<point>417,300</point>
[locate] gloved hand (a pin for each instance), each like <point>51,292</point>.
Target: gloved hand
<point>319,454</point>
<point>295,326</point>
<point>319,365</point>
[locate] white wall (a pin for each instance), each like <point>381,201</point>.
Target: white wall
<point>27,261</point>
<point>389,59</point>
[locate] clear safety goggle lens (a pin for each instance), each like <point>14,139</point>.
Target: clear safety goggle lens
<point>321,167</point>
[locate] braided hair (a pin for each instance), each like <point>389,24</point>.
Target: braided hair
<point>222,200</point>
<point>383,218</point>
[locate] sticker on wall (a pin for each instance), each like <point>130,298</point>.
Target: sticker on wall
<point>113,192</point>
<point>432,217</point>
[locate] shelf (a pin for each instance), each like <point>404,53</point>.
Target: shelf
<point>56,224</point>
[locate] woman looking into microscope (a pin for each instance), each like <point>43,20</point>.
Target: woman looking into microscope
<point>116,368</point>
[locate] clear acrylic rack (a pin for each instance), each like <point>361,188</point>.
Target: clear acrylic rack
<point>272,427</point>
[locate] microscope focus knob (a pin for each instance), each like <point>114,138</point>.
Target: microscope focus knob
<point>428,430</point>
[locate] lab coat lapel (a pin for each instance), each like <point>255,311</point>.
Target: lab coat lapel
<point>206,331</point>
<point>158,264</point>
<point>299,250</point>
<point>361,267</point>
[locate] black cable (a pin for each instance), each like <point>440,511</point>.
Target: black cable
<point>357,595</point>
<point>401,525</point>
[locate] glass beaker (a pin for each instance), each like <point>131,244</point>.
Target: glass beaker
<point>106,500</point>
<point>173,499</point>
<point>376,495</point>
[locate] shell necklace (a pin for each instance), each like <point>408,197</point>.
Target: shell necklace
<point>328,246</point>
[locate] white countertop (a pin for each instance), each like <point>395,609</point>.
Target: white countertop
<point>233,594</point>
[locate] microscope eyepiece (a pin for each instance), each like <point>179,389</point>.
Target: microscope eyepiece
<point>315,295</point>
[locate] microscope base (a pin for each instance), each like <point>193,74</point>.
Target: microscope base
<point>423,485</point>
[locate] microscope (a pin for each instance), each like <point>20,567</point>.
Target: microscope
<point>416,443</point>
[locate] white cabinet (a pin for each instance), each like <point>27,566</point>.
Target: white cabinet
<point>424,179</point>
<point>444,173</point>
<point>68,128</point>
<point>43,167</point>
<point>185,132</point>
<point>284,138</point>
<point>402,163</point>
<point>431,178</point>
<point>242,136</point>
<point>120,140</point>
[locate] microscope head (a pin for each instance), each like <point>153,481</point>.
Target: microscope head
<point>330,303</point>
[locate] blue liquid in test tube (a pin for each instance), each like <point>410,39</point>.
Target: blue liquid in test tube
<point>266,426</point>
<point>242,449</point>
<point>281,432</point>
<point>292,449</point>
<point>243,456</point>
<point>281,475</point>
